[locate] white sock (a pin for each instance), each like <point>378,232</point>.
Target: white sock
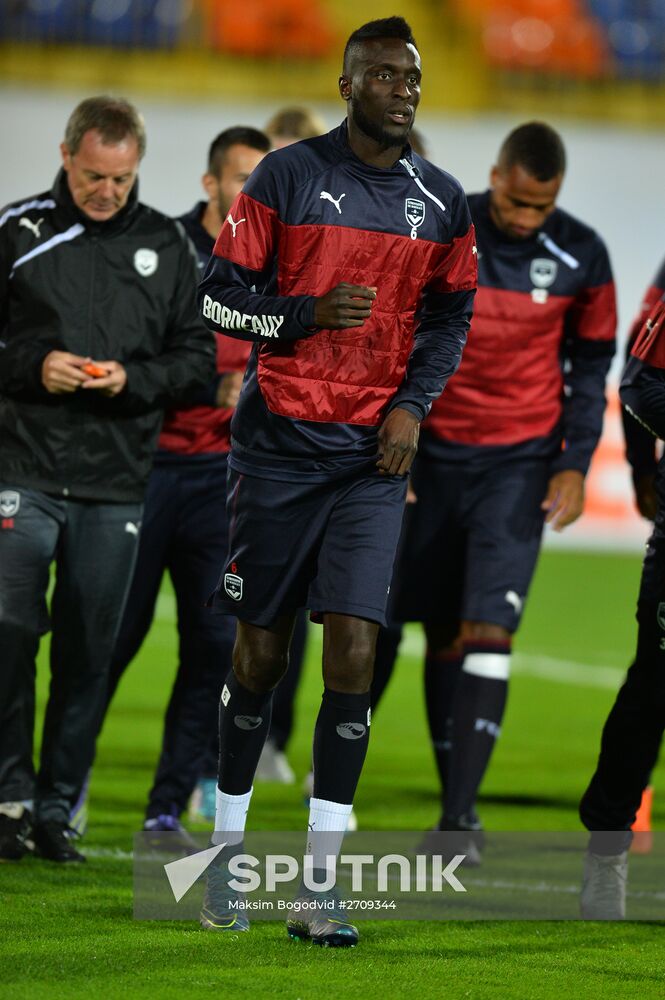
<point>326,828</point>
<point>230,817</point>
<point>14,810</point>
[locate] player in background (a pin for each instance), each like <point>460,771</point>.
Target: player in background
<point>287,126</point>
<point>505,450</point>
<point>633,732</point>
<point>185,531</point>
<point>292,124</point>
<point>641,452</point>
<point>640,444</point>
<point>350,263</point>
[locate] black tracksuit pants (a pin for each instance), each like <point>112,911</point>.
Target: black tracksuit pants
<point>93,546</point>
<point>633,732</point>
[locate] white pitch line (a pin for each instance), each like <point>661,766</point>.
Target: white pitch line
<point>545,667</point>
<point>107,853</point>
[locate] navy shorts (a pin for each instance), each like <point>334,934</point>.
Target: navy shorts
<point>329,547</point>
<point>470,542</point>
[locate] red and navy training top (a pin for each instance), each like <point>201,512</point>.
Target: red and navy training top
<point>313,215</point>
<point>532,381</point>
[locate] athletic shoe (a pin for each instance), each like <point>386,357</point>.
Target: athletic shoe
<point>203,801</point>
<point>319,918</point>
<point>78,816</point>
<point>219,911</point>
<point>54,841</point>
<point>462,836</point>
<point>604,886</point>
<point>273,765</point>
<point>643,839</point>
<point>15,830</point>
<point>308,791</point>
<point>166,823</point>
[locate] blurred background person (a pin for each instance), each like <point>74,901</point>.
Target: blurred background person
<point>633,732</point>
<point>504,451</point>
<point>185,529</point>
<point>287,126</point>
<point>292,124</point>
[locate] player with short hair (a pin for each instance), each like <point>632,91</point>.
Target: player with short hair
<point>350,263</point>
<point>100,332</point>
<point>506,449</point>
<point>292,124</point>
<point>184,528</point>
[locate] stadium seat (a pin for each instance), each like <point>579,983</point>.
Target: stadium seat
<point>638,47</point>
<point>564,45</point>
<point>279,28</point>
<point>145,23</point>
<point>42,20</point>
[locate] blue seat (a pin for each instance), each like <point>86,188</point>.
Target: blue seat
<point>638,47</point>
<point>43,20</point>
<point>135,23</point>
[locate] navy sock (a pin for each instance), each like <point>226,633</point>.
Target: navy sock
<point>442,673</point>
<point>341,737</point>
<point>244,721</point>
<point>387,645</point>
<point>477,713</point>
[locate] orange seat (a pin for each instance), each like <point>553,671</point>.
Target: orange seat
<point>568,46</point>
<point>268,28</point>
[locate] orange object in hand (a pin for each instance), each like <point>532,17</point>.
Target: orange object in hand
<point>93,370</point>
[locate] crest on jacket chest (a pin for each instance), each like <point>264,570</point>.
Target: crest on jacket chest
<point>542,272</point>
<point>414,210</point>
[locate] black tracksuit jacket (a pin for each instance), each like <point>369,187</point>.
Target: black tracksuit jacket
<point>121,290</point>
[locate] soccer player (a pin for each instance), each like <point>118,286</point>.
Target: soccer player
<point>184,527</point>
<point>506,449</point>
<point>634,728</point>
<point>642,457</point>
<point>350,263</point>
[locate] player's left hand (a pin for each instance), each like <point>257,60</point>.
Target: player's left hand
<point>564,500</point>
<point>398,442</point>
<point>111,384</point>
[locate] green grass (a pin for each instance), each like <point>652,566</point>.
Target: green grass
<point>70,933</point>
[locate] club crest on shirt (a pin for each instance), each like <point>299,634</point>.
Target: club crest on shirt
<point>233,586</point>
<point>543,272</point>
<point>414,210</point>
<point>660,614</point>
<point>145,262</point>
<point>10,501</point>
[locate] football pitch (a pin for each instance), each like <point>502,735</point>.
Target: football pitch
<point>68,931</point>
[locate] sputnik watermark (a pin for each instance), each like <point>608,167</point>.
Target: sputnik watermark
<point>246,873</point>
<point>384,875</point>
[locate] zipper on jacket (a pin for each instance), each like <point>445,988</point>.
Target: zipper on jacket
<point>414,175</point>
<point>80,419</point>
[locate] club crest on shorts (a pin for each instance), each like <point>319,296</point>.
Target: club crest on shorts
<point>10,501</point>
<point>543,272</point>
<point>145,262</point>
<point>660,613</point>
<point>233,586</point>
<point>414,210</point>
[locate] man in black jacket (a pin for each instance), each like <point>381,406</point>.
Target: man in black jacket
<point>98,332</point>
